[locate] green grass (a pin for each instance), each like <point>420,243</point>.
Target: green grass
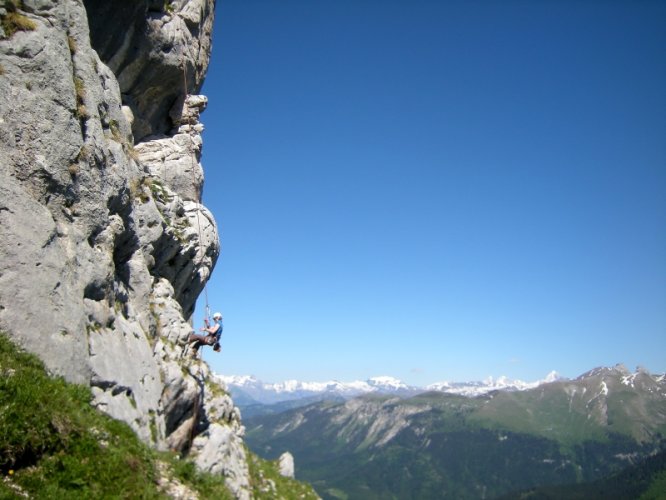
<point>267,483</point>
<point>207,485</point>
<point>53,444</point>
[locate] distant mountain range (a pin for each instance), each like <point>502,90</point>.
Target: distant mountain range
<point>507,439</point>
<point>248,390</point>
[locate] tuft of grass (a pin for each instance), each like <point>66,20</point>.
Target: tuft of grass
<point>215,389</point>
<point>157,189</point>
<point>80,91</point>
<point>71,43</point>
<point>85,154</point>
<point>15,21</point>
<point>153,427</point>
<point>114,127</point>
<point>138,190</point>
<point>82,112</point>
<point>207,485</point>
<point>2,70</point>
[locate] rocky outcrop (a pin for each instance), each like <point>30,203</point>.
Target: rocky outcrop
<point>104,242</point>
<point>161,46</point>
<point>286,465</point>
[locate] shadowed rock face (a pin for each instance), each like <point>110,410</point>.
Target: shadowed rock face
<point>155,49</point>
<point>104,244</point>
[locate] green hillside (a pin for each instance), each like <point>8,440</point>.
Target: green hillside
<point>53,444</point>
<point>644,481</point>
<point>579,410</point>
<point>443,446</point>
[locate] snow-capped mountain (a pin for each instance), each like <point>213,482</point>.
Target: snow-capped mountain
<point>490,384</point>
<point>247,386</point>
<point>529,435</point>
<point>247,389</point>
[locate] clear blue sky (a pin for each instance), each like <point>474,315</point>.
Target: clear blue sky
<point>437,190</point>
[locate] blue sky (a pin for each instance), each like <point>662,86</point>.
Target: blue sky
<point>437,190</point>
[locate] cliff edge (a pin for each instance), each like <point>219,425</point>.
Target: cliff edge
<point>104,242</point>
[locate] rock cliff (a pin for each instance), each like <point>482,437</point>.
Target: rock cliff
<point>104,242</point>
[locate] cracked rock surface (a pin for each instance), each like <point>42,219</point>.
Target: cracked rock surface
<point>104,242</point>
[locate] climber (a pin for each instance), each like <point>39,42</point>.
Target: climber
<point>213,334</point>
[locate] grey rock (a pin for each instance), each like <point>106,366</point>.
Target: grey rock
<point>174,161</point>
<point>104,243</point>
<point>219,450</point>
<point>286,464</point>
<point>161,54</point>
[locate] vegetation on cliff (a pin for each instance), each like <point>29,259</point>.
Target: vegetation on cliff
<point>53,444</point>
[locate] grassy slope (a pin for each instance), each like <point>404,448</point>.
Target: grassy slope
<point>53,444</point>
<point>555,412</point>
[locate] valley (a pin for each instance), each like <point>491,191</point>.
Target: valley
<point>440,445</point>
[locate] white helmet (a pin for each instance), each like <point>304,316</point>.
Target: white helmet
<point>217,315</point>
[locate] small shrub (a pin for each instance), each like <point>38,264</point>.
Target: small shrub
<point>157,188</point>
<point>73,169</point>
<point>15,21</point>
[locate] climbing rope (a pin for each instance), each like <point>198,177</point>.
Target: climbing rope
<point>193,163</point>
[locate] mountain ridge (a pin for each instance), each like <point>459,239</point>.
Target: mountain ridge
<point>248,387</point>
<point>442,445</point>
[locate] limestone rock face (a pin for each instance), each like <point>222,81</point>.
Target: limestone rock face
<point>104,242</point>
<point>156,48</point>
<point>175,160</point>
